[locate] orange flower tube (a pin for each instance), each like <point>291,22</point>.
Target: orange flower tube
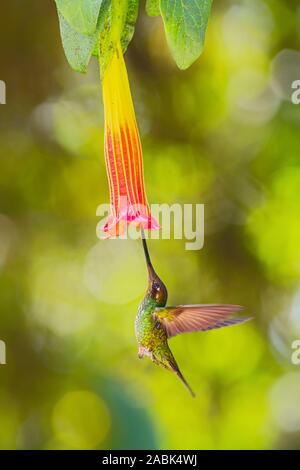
<point>123,154</point>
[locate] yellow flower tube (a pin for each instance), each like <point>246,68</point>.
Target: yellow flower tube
<point>123,153</point>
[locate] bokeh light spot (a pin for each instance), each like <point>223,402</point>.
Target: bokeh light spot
<point>81,420</point>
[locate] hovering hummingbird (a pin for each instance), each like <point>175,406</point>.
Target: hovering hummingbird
<point>155,323</point>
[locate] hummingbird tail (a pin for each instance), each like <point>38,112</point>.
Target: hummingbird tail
<point>167,360</point>
<point>175,368</point>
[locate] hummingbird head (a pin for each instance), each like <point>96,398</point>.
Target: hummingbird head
<point>156,288</point>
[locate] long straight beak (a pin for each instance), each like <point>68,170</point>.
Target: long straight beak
<point>151,273</point>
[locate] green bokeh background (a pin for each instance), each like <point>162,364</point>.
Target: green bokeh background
<point>223,133</point>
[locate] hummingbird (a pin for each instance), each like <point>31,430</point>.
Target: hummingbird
<point>155,323</point>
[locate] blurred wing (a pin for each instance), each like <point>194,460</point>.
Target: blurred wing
<point>188,318</point>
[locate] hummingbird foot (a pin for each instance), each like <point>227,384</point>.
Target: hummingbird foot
<point>141,352</point>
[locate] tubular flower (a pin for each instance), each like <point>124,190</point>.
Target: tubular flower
<point>123,154</point>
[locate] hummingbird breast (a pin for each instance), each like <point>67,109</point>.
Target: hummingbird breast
<point>150,333</point>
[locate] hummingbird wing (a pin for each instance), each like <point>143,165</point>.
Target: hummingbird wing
<point>188,318</point>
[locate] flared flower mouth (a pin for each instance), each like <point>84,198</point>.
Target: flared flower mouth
<point>123,154</point>
<point>138,215</point>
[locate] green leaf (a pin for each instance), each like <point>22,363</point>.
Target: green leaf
<point>129,24</point>
<point>116,21</point>
<point>185,24</point>
<point>152,7</point>
<point>82,15</point>
<point>78,48</point>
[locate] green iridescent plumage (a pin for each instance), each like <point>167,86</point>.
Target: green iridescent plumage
<point>155,323</point>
